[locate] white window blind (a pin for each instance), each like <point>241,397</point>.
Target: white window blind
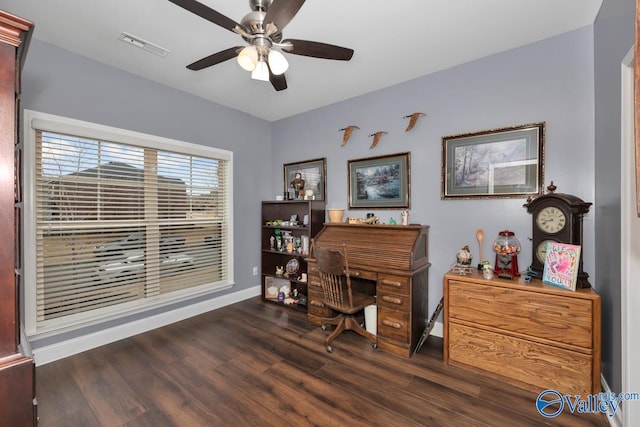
<point>118,224</point>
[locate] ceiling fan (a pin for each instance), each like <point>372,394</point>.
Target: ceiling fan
<point>262,30</point>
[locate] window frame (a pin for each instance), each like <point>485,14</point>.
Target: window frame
<point>33,121</point>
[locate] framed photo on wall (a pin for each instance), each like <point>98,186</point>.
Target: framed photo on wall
<point>381,182</point>
<point>307,176</point>
<point>497,163</point>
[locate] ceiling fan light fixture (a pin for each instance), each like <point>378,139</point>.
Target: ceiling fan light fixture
<point>277,62</point>
<point>261,72</point>
<point>248,58</point>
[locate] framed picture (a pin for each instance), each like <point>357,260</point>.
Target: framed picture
<point>506,162</point>
<point>380,182</point>
<point>561,265</point>
<point>307,176</point>
<point>273,285</point>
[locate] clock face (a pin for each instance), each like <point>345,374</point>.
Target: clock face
<point>541,250</point>
<point>551,220</point>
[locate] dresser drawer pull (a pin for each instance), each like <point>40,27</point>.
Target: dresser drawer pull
<point>392,300</point>
<point>392,324</point>
<point>392,283</point>
<point>317,303</point>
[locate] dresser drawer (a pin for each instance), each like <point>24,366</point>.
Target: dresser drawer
<point>561,319</point>
<point>393,325</point>
<point>393,284</point>
<point>542,366</point>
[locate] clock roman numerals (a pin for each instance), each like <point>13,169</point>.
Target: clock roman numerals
<point>551,220</point>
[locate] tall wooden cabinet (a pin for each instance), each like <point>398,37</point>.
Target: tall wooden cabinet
<point>17,372</point>
<point>287,229</point>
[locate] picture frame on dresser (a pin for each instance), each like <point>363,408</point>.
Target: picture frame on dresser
<point>498,163</point>
<point>314,174</point>
<point>382,182</point>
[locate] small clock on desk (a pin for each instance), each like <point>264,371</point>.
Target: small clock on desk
<point>557,217</point>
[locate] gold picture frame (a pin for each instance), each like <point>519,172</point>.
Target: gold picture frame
<point>497,163</point>
<point>382,182</point>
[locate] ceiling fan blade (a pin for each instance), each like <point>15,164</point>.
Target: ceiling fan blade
<point>281,12</point>
<point>317,50</point>
<point>279,82</point>
<point>207,13</point>
<point>214,59</point>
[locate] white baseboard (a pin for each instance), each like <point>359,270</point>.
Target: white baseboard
<point>616,419</point>
<point>60,350</point>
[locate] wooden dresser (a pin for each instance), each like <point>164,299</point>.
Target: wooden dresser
<point>394,260</point>
<point>533,335</point>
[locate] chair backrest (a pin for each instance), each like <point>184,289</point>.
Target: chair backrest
<point>333,268</point>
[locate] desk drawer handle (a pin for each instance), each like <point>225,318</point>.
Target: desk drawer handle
<point>392,283</point>
<point>392,300</point>
<point>354,273</point>
<point>392,324</point>
<point>313,269</point>
<point>317,304</point>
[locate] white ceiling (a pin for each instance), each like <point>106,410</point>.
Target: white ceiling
<point>394,41</point>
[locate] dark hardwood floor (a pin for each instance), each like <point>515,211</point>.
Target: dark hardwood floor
<point>256,363</point>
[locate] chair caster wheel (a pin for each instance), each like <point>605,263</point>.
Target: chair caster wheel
<point>374,345</point>
<point>329,349</point>
<point>324,328</point>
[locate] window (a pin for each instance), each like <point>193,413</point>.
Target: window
<point>119,222</point>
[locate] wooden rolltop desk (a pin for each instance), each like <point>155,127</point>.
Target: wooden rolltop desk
<point>394,258</point>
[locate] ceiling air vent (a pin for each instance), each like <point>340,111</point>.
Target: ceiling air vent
<point>143,44</point>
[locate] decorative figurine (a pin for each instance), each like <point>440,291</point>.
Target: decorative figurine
<point>487,270</point>
<point>298,185</point>
<point>405,217</point>
<point>279,270</point>
<point>413,120</point>
<point>376,138</point>
<point>272,243</point>
<point>464,257</point>
<point>347,133</point>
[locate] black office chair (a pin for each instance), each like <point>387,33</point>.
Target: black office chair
<point>338,295</point>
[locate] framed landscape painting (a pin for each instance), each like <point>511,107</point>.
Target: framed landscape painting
<point>506,162</point>
<point>380,182</point>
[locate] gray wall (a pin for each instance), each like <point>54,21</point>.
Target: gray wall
<point>550,81</point>
<point>613,37</point>
<point>58,82</point>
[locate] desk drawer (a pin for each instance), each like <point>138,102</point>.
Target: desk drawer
<point>393,325</point>
<point>552,317</point>
<point>315,306</point>
<point>394,301</point>
<point>393,284</point>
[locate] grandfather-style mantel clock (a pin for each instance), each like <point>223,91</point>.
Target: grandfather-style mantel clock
<point>557,217</point>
